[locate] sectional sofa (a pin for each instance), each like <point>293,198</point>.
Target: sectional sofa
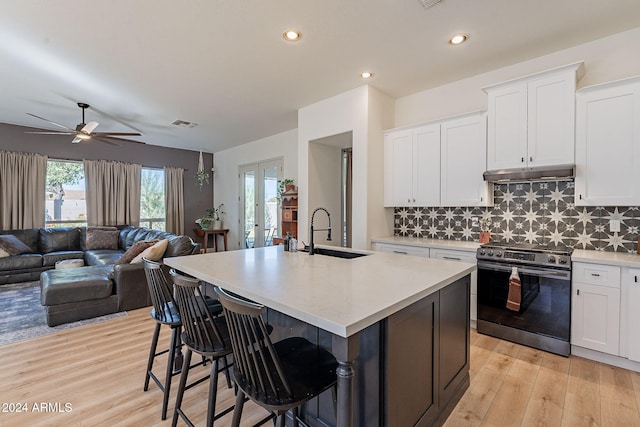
<point>102,286</point>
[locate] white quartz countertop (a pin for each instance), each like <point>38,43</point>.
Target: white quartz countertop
<point>342,296</point>
<point>608,258</point>
<point>457,245</point>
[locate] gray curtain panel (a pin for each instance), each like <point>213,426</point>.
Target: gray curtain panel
<point>174,200</point>
<point>22,190</point>
<point>113,192</point>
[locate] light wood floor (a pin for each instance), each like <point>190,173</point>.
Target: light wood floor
<point>99,371</point>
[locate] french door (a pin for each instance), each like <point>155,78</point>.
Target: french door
<point>260,214</point>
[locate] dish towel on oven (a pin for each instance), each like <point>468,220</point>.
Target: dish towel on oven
<point>515,291</point>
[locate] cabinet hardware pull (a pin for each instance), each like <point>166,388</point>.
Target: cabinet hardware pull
<point>480,198</point>
<point>580,196</point>
<point>595,274</point>
<point>400,252</point>
<point>531,158</point>
<point>635,279</point>
<point>522,159</point>
<point>578,291</point>
<point>451,258</point>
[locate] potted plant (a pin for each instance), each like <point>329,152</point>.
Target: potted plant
<point>215,214</point>
<point>284,186</point>
<point>204,222</point>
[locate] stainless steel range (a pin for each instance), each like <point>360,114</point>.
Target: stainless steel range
<point>541,316</point>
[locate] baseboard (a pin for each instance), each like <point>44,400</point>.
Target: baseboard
<point>609,359</point>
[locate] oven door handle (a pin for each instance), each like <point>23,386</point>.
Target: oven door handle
<point>533,271</point>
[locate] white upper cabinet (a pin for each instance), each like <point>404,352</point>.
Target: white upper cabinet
<point>437,164</point>
<point>463,150</point>
<point>608,144</point>
<point>412,167</point>
<point>531,120</point>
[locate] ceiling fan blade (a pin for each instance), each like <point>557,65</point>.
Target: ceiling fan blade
<point>76,140</point>
<point>89,127</point>
<point>117,134</point>
<point>106,137</point>
<point>53,123</point>
<point>53,133</point>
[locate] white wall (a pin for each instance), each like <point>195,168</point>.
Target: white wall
<point>325,188</point>
<point>607,59</point>
<point>349,111</point>
<point>226,184</point>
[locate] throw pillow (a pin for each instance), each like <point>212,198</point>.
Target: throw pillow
<point>3,253</point>
<point>89,233</point>
<point>153,253</point>
<point>102,239</point>
<point>136,249</point>
<point>13,246</point>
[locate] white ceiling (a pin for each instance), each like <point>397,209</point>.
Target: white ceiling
<point>223,63</point>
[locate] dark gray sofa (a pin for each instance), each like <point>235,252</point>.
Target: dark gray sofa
<point>99,288</point>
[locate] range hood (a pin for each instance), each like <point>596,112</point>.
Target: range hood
<point>531,174</point>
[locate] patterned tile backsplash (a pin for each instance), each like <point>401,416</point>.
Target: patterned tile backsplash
<point>527,212</point>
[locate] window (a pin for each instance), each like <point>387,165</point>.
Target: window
<point>152,207</point>
<point>65,204</point>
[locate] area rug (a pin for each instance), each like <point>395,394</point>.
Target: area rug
<point>22,317</point>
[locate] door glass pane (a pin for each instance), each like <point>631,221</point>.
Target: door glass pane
<point>270,186</point>
<point>249,190</point>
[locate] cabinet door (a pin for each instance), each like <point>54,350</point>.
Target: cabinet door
<point>608,145</point>
<point>507,127</point>
<point>551,120</point>
<point>426,158</point>
<point>632,301</point>
<point>464,150</point>
<point>595,317</point>
<point>398,168</point>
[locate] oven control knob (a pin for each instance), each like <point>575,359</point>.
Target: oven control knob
<point>490,253</point>
<point>551,259</point>
<point>482,251</point>
<point>562,260</point>
<point>498,253</point>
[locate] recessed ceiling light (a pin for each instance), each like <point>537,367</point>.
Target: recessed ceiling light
<point>366,75</point>
<point>292,35</point>
<point>458,39</point>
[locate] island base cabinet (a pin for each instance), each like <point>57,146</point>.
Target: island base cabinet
<point>427,357</point>
<point>411,368</point>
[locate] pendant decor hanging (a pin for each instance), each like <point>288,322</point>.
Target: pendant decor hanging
<point>202,177</point>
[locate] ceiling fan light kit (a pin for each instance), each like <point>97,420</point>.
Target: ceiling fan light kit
<point>85,131</point>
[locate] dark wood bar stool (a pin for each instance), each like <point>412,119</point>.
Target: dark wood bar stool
<point>204,334</point>
<point>278,376</point>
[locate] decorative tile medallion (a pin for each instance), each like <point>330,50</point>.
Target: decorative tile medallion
<point>527,212</point>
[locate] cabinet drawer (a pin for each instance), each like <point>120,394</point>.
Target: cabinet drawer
<point>453,255</point>
<point>401,249</point>
<point>596,274</point>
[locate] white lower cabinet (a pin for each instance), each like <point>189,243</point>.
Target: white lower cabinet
<point>595,311</point>
<point>401,249</point>
<point>631,312</point>
<point>462,256</point>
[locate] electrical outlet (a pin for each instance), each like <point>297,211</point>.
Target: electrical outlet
<point>474,221</point>
<point>614,226</point>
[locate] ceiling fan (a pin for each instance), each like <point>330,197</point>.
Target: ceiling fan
<point>85,131</point>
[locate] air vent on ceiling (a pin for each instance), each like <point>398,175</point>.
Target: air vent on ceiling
<point>184,124</point>
<point>428,3</point>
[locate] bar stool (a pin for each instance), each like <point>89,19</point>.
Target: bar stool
<point>165,313</point>
<point>203,334</point>
<point>278,376</point>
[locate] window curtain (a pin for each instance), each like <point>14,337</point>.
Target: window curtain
<point>22,190</point>
<point>174,200</point>
<point>113,192</point>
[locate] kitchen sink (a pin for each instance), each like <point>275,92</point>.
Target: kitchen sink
<point>337,254</point>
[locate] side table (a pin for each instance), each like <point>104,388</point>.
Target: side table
<point>204,234</point>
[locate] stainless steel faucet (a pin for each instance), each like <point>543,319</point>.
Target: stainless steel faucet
<point>328,230</point>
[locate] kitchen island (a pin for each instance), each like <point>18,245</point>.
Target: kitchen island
<point>398,326</point>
